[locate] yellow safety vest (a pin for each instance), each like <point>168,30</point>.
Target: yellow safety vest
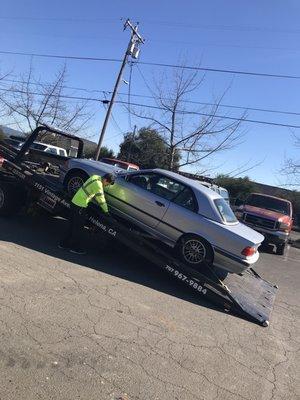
<point>92,188</point>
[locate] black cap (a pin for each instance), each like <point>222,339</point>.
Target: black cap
<point>109,178</point>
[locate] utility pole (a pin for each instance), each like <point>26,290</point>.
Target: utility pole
<point>133,51</point>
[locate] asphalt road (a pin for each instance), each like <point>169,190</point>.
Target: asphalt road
<point>109,325</point>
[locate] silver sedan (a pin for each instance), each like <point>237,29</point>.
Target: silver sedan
<point>193,219</point>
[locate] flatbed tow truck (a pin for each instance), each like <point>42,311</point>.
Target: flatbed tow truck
<point>23,183</point>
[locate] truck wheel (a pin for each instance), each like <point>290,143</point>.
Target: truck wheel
<point>280,249</point>
<point>11,199</point>
<point>74,181</point>
<point>195,251</point>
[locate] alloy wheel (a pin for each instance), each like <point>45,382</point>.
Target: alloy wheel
<point>74,184</point>
<point>194,252</point>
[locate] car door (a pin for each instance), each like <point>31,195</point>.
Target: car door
<point>181,216</point>
<point>135,195</point>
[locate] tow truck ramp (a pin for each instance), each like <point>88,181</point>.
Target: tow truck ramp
<point>246,295</point>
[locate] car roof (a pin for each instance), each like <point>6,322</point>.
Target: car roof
<point>119,161</point>
<point>272,197</point>
<point>190,182</point>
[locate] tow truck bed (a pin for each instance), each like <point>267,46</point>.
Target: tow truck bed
<point>246,295</point>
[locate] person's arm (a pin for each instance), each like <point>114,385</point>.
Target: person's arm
<point>100,198</point>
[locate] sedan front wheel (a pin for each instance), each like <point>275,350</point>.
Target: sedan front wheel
<point>74,181</point>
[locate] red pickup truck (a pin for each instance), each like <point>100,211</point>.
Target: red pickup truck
<point>269,215</point>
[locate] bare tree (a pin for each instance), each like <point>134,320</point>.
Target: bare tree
<point>197,133</point>
<point>291,169</point>
<point>29,102</point>
<point>3,109</point>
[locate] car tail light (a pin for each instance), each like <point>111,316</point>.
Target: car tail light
<point>249,251</point>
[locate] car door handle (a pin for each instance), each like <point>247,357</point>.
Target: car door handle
<point>159,203</point>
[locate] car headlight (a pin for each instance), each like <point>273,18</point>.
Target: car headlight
<point>284,227</point>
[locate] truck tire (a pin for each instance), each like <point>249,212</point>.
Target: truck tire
<point>11,198</point>
<point>280,249</point>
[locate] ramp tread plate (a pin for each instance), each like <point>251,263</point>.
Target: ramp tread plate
<point>253,294</point>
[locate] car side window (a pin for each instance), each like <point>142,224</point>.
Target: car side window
<point>141,180</point>
<point>160,185</point>
<point>186,199</point>
<point>51,150</point>
<point>165,187</point>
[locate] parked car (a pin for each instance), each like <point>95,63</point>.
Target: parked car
<point>269,215</point>
<point>17,144</point>
<point>48,148</point>
<point>120,164</point>
<point>194,220</point>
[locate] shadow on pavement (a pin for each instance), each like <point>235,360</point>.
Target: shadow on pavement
<point>42,234</point>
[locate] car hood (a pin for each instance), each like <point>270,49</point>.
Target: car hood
<point>261,212</point>
<point>96,165</point>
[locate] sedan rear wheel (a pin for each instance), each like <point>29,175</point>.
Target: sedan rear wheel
<point>195,251</point>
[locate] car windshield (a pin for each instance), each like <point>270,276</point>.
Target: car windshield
<point>225,211</point>
<point>269,203</point>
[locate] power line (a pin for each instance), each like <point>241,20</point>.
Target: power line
<point>52,19</point>
<point>154,64</point>
<point>243,28</point>
<point>176,42</point>
<point>129,96</point>
<point>268,110</point>
<point>19,53</point>
<point>161,108</point>
<point>217,116</point>
<point>226,71</point>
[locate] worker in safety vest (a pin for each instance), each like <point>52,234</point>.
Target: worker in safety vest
<point>91,189</point>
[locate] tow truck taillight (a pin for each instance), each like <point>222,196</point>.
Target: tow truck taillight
<point>249,251</point>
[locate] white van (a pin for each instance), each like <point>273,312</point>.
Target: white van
<point>220,190</point>
<point>49,148</point>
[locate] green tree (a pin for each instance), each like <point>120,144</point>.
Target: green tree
<point>238,187</point>
<point>90,150</point>
<point>147,149</point>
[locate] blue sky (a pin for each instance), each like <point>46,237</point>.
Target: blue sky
<point>253,36</point>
